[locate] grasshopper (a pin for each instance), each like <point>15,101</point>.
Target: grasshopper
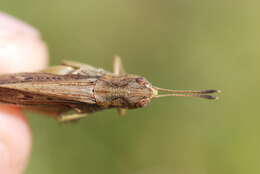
<point>83,89</point>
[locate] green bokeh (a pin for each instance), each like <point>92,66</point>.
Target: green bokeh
<point>180,44</point>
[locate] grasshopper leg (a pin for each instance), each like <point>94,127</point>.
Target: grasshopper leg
<point>121,112</point>
<point>118,69</point>
<point>68,67</point>
<point>71,67</point>
<point>59,70</point>
<point>76,65</point>
<point>84,69</point>
<point>71,117</point>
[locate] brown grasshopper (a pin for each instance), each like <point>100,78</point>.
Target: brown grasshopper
<point>83,89</point>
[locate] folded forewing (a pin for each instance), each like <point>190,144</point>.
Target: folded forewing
<point>68,87</point>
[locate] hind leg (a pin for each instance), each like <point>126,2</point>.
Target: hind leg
<point>71,117</point>
<point>59,70</point>
<point>84,69</point>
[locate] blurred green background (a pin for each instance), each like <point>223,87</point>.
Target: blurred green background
<point>179,44</point>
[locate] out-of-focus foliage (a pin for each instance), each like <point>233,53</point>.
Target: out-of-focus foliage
<point>180,44</point>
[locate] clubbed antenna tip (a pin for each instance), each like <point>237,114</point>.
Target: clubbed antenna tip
<point>210,97</point>
<point>188,93</point>
<point>209,91</point>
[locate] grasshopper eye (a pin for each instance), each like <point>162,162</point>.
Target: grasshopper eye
<point>143,102</point>
<point>141,81</point>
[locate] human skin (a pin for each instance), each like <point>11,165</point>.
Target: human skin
<point>21,50</point>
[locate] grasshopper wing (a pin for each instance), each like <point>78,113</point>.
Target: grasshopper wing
<point>76,88</point>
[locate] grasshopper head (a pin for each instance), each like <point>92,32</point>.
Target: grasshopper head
<point>140,92</point>
<point>127,91</point>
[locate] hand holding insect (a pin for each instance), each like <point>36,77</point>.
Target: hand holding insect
<point>15,146</point>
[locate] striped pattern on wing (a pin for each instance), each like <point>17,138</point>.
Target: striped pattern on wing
<point>68,87</point>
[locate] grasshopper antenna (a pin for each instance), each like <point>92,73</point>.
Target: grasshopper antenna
<point>187,93</point>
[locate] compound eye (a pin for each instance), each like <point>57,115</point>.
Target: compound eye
<point>142,103</point>
<point>141,81</point>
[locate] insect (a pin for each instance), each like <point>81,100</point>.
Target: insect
<point>83,89</point>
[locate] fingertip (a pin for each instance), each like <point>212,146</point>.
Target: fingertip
<point>15,141</point>
<point>21,46</point>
